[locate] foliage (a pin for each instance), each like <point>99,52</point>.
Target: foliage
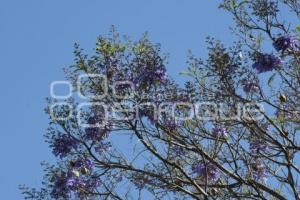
<point>145,156</point>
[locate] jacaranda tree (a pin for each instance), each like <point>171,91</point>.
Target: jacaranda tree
<point>231,132</point>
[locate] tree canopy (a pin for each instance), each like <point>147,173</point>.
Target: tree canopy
<point>231,132</point>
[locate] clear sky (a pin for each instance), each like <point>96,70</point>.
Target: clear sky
<point>36,42</point>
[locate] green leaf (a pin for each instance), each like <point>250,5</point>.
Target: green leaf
<point>298,28</point>
<point>233,4</point>
<point>271,79</point>
<point>188,73</point>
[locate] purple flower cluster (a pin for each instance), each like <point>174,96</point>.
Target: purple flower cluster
<point>75,181</point>
<point>219,131</point>
<point>78,186</point>
<point>206,171</point>
<point>250,86</point>
<point>259,171</point>
<point>63,145</point>
<point>151,73</point>
<point>170,124</point>
<point>151,76</point>
<point>82,163</point>
<point>95,133</point>
<point>286,43</point>
<point>257,146</point>
<point>178,150</point>
<point>267,62</point>
<point>60,188</point>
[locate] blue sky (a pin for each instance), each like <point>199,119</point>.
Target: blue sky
<point>36,42</point>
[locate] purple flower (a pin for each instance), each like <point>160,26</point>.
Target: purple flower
<point>219,131</point>
<point>178,150</point>
<point>152,76</point>
<point>286,42</point>
<point>150,71</point>
<point>59,187</point>
<point>63,145</point>
<point>206,171</point>
<point>267,62</point>
<point>75,183</point>
<point>170,124</point>
<point>259,171</point>
<point>95,133</point>
<point>83,162</point>
<point>66,185</point>
<point>257,145</point>
<point>250,86</point>
<point>93,183</point>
